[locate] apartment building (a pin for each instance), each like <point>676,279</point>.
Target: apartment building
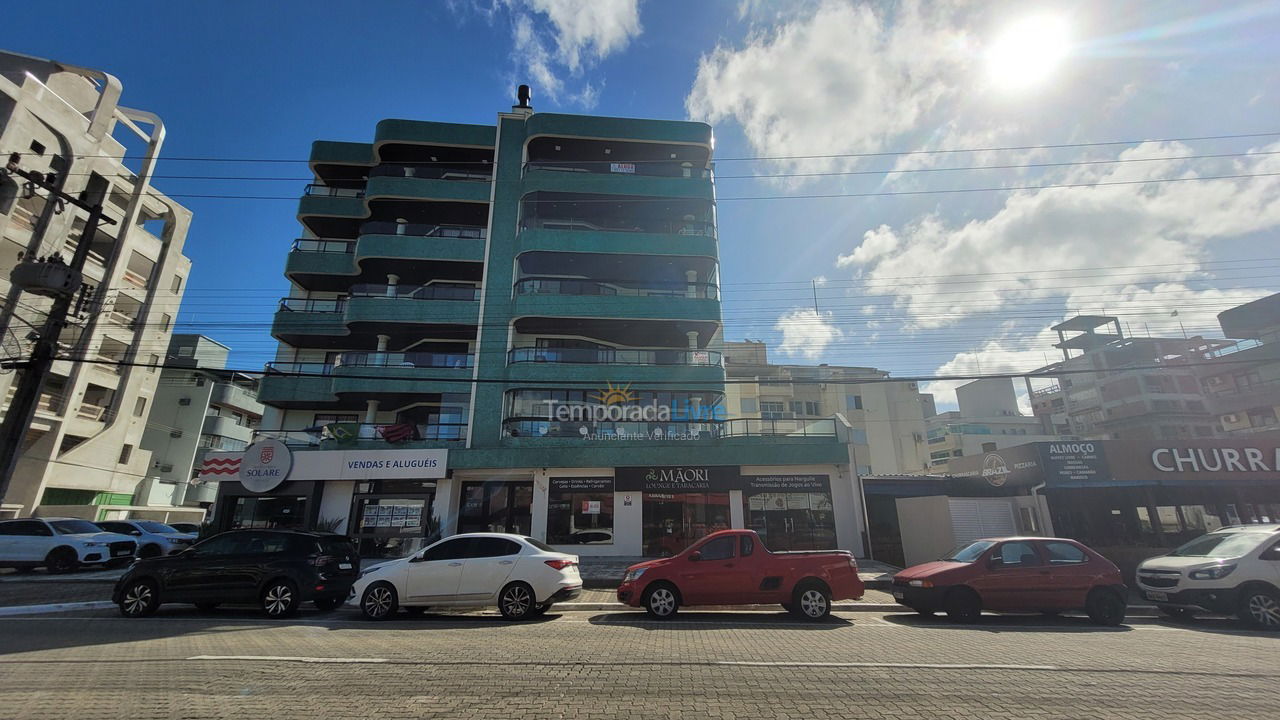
<point>988,418</point>
<point>200,407</point>
<point>517,327</point>
<point>1243,391</point>
<point>1110,386</point>
<point>887,419</point>
<point>82,454</point>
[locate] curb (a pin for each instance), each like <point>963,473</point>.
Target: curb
<point>55,607</point>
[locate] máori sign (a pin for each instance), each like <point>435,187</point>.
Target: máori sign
<point>1216,459</point>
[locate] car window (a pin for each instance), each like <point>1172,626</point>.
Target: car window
<point>1221,545</point>
<point>540,545</point>
<point>1018,554</point>
<point>748,546</point>
<point>156,527</point>
<point>28,528</point>
<point>74,527</point>
<point>336,546</point>
<point>226,544</point>
<point>492,547</point>
<point>968,552</point>
<point>1061,553</point>
<point>718,549</point>
<point>1271,553</point>
<point>116,527</point>
<point>259,543</point>
<point>448,550</point>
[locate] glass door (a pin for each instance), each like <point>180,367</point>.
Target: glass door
<point>496,507</point>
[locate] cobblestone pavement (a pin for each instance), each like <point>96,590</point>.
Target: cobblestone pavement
<point>233,664</point>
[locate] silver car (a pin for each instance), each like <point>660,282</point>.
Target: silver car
<point>154,538</point>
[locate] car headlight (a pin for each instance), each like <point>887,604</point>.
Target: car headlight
<point>1213,573</point>
<point>921,583</point>
<point>633,575</point>
<point>94,543</point>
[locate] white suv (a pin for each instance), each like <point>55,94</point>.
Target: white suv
<point>519,574</point>
<point>61,544</point>
<point>153,538</point>
<point>1233,571</point>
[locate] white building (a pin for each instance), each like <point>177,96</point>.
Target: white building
<point>81,456</point>
<point>988,419</point>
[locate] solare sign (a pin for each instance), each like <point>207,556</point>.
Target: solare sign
<point>266,464</point>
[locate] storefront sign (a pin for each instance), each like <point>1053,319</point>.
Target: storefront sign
<point>681,478</point>
<point>582,484</point>
<point>1207,460</point>
<point>590,507</point>
<point>371,465</point>
<point>629,168</point>
<point>1019,465</point>
<point>786,483</point>
<point>1074,462</point>
<point>265,465</point>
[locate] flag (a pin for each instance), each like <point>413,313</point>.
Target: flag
<point>398,433</point>
<point>343,433</point>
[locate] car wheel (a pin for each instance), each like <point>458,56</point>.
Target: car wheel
<point>327,603</point>
<point>963,606</point>
<point>379,601</point>
<point>279,599</point>
<point>207,606</point>
<point>1177,613</point>
<point>661,601</point>
<point>139,599</point>
<point>1105,607</point>
<point>516,601</point>
<point>149,551</point>
<point>62,560</point>
<point>811,601</point>
<point>1260,608</point>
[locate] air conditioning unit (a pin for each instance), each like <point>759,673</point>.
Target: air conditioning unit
<point>166,468</point>
<point>1215,380</point>
<point>1230,418</point>
<point>175,433</point>
<point>184,401</point>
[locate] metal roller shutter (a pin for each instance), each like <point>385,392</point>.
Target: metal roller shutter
<point>973,518</point>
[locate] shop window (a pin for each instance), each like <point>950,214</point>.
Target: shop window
<point>672,522</point>
<point>1167,516</point>
<point>580,511</point>
<point>1200,518</point>
<point>791,520</point>
<point>125,453</point>
<point>1061,553</point>
<point>853,402</point>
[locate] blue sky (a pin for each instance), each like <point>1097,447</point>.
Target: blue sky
<point>915,284</point>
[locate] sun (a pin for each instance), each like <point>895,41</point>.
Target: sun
<point>1027,51</point>
<point>611,395</point>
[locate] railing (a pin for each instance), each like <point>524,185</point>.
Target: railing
<point>664,227</point>
<point>318,190</point>
<point>563,286</point>
<point>116,317</point>
<point>234,396</point>
<point>298,368</point>
<point>651,168</point>
<point>744,427</point>
<point>414,292</point>
<point>320,438</point>
<point>612,356</point>
<point>49,403</point>
<point>323,245</point>
<point>330,305</point>
<point>383,227</point>
<point>404,359</point>
<point>135,279</point>
<point>431,172</point>
<point>89,411</point>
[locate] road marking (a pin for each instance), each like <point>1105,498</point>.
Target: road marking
<point>288,658</point>
<point>55,607</point>
<point>922,666</point>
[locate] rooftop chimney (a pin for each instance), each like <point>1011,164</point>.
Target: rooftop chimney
<point>522,98</point>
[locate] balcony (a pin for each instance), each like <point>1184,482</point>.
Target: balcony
<point>332,206</point>
<point>237,397</point>
<point>657,365</point>
<point>318,190</point>
<point>618,184</point>
<point>432,171</point>
<point>392,377</point>
<point>418,188</point>
<point>532,432</point>
<point>425,435</point>
<point>619,356</point>
<point>1241,399</point>
<point>227,427</point>
<point>564,286</point>
<point>436,304</point>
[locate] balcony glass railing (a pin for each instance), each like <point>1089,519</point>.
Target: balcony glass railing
<point>646,168</point>
<point>612,356</point>
<point>432,171</point>
<point>320,437</point>
<point>317,190</point>
<point>595,224</point>
<point>414,292</point>
<point>298,368</point>
<point>404,360</point>
<point>562,286</point>
<point>746,427</point>
<point>330,305</point>
<point>384,227</point>
<point>323,245</point>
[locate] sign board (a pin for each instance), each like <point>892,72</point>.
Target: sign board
<point>1209,461</point>
<point>1074,462</point>
<point>582,484</point>
<point>786,483</point>
<point>629,168</point>
<point>679,478</point>
<point>590,507</point>
<point>265,465</point>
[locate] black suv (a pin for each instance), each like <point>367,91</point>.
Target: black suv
<point>277,569</point>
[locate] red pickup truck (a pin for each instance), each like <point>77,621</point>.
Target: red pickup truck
<point>733,567</point>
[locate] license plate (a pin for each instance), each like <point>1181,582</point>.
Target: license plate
<point>119,552</point>
<point>1157,595</point>
<point>344,566</point>
<point>897,595</point>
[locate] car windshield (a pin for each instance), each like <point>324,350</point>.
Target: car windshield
<point>74,527</point>
<point>156,527</point>
<point>968,553</point>
<point>1221,545</point>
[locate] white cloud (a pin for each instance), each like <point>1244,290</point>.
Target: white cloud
<point>806,333</point>
<point>558,40</point>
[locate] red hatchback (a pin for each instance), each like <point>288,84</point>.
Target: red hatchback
<point>1018,574</point>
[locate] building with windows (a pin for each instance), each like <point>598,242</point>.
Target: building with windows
<point>1243,387</point>
<point>82,453</point>
<point>200,407</point>
<point>887,418</point>
<point>517,327</point>
<point>988,418</point>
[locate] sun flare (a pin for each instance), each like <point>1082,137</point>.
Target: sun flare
<point>1027,51</point>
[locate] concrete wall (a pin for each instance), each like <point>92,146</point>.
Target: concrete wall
<point>992,397</point>
<point>925,525</point>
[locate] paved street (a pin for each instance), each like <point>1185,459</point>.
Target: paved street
<point>233,664</point>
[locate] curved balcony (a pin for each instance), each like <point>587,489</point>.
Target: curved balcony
<point>432,171</point>
<point>419,188</point>
<point>371,310</point>
<point>542,431</point>
<point>369,436</point>
<point>616,356</point>
<point>538,179</point>
<point>570,239</point>
<point>574,286</point>
<point>395,378</point>
<point>658,365</point>
<point>329,264</point>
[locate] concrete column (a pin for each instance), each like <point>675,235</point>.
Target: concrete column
<point>736,519</point>
<point>371,412</point>
<point>693,339</point>
<point>691,277</point>
<point>392,282</point>
<point>400,225</point>
<point>382,342</point>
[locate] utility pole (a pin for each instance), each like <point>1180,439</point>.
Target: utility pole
<point>53,278</point>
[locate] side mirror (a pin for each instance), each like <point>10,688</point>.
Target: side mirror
<point>135,532</point>
<point>695,556</point>
<point>995,562</point>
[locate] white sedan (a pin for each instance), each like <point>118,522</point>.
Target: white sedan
<point>521,575</point>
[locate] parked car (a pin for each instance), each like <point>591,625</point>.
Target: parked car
<point>276,569</point>
<point>524,577</point>
<point>153,538</point>
<point>1234,570</point>
<point>591,537</point>
<point>61,544</point>
<point>185,527</point>
<point>1016,574</point>
<point>732,567</point>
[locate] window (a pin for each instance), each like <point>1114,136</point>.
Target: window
<point>326,419</point>
<point>804,407</point>
<point>580,511</point>
<point>139,407</point>
<point>718,549</point>
<point>27,528</point>
<point>238,417</point>
<point>154,361</point>
<point>853,402</point>
<point>448,550</point>
<point>261,543</point>
<point>1017,554</point>
<point>750,405</point>
<point>225,544</point>
<point>748,546</point>
<point>486,547</point>
<point>772,410</point>
<point>118,527</point>
<point>165,320</point>
<point>1061,553</point>
<point>186,351</point>
<point>125,453</point>
<point>176,287</point>
<point>74,526</point>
